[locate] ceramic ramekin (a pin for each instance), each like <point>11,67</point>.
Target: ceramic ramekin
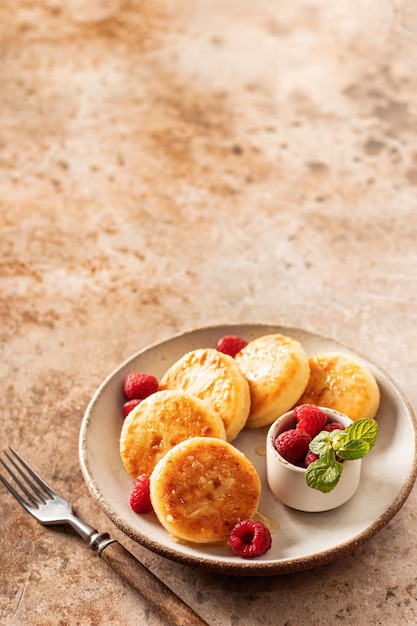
<point>287,481</point>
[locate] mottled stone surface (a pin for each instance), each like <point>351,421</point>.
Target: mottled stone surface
<point>169,165</point>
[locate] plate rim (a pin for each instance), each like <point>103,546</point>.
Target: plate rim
<point>247,567</point>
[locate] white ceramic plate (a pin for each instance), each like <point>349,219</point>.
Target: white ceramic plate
<point>303,540</point>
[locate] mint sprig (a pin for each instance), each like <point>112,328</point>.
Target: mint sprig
<point>339,445</point>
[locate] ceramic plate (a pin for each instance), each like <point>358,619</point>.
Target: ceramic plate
<point>303,540</point>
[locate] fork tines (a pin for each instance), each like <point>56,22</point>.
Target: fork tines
<point>31,480</point>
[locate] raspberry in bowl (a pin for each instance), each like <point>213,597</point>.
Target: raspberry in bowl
<point>289,455</point>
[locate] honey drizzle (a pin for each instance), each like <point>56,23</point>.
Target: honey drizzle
<point>270,523</point>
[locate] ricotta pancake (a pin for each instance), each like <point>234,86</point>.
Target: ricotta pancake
<point>216,379</point>
<point>277,370</point>
<point>161,421</point>
<point>338,381</point>
<point>202,487</point>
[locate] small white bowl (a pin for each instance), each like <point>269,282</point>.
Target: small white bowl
<point>288,482</point>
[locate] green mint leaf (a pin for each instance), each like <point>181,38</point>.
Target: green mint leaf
<point>321,443</point>
<point>338,438</point>
<point>350,444</point>
<point>323,476</point>
<point>327,441</point>
<point>353,449</point>
<point>364,429</point>
<point>329,457</point>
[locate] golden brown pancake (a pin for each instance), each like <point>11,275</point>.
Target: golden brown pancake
<point>215,378</point>
<point>277,370</point>
<point>337,381</point>
<point>161,421</point>
<point>202,487</point>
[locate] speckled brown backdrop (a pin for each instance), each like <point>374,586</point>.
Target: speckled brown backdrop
<point>166,165</point>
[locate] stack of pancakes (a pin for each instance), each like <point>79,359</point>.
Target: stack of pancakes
<point>180,436</point>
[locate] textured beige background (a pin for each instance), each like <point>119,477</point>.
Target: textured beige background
<point>166,165</point>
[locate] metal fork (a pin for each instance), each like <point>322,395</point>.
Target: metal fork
<point>48,507</point>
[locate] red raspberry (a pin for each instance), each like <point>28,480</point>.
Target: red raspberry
<point>331,426</point>
<point>250,538</point>
<point>140,499</point>
<point>310,418</point>
<point>129,405</point>
<point>231,344</point>
<point>139,386</point>
<point>310,458</point>
<point>292,445</point>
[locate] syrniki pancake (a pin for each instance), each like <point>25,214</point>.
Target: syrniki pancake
<point>338,381</point>
<point>202,487</point>
<point>277,370</point>
<point>161,421</point>
<point>215,378</point>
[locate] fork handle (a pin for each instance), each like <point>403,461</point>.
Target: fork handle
<point>167,603</point>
